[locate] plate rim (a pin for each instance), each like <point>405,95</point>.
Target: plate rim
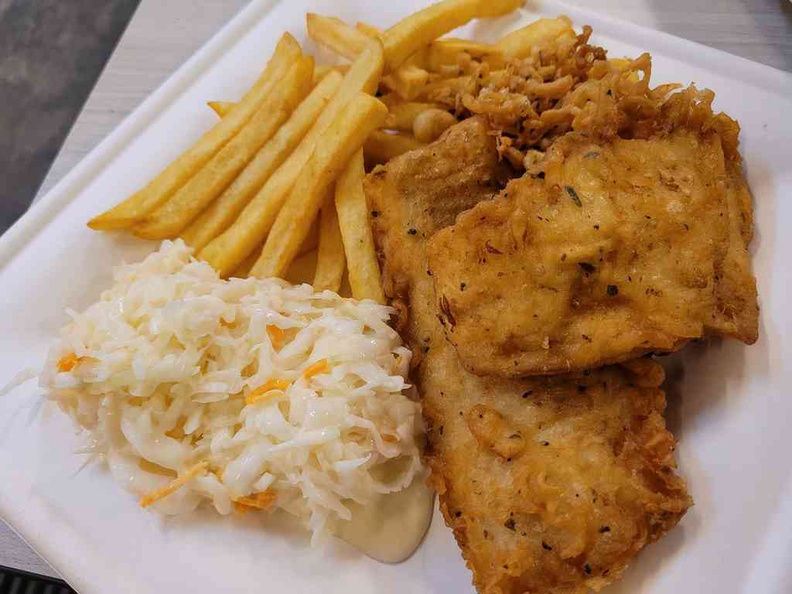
<point>61,552</point>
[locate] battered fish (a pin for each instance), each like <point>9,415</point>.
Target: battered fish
<point>551,485</point>
<point>619,249</point>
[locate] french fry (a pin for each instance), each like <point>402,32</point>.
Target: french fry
<point>401,115</point>
<point>441,52</point>
<point>476,49</point>
<point>309,245</point>
<point>175,175</point>
<point>445,52</point>
<point>330,259</point>
<point>336,35</point>
<point>406,81</point>
<point>380,147</point>
<point>421,28</point>
<point>224,211</point>
<point>337,145</point>
<point>345,41</point>
<point>324,69</point>
<point>369,30</point>
<point>176,213</point>
<point>229,249</point>
<point>221,108</point>
<point>358,240</point>
<point>243,270</point>
<point>518,44</point>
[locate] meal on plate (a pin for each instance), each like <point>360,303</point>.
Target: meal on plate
<point>549,483</point>
<point>513,228</point>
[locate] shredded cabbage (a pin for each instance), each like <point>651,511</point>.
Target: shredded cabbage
<point>175,367</point>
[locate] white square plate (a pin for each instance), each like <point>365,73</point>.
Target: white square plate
<point>730,405</point>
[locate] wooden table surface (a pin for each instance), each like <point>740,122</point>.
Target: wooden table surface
<point>164,33</point>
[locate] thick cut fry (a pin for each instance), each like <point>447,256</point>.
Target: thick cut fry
<point>402,115</point>
<point>476,49</point>
<point>381,147</point>
<point>333,33</point>
<point>353,219</point>
<point>518,44</point>
<point>221,108</point>
<point>222,213</point>
<point>228,250</point>
<point>243,270</point>
<point>419,30</point>
<point>445,52</point>
<point>369,30</point>
<point>172,217</point>
<point>406,81</point>
<point>441,52</point>
<point>333,151</point>
<point>175,175</point>
<point>309,245</point>
<point>330,260</point>
<point>336,35</point>
<point>324,69</point>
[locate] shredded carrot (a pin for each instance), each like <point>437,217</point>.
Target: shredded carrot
<point>277,336</point>
<point>68,362</point>
<point>261,392</point>
<point>144,464</point>
<point>319,367</point>
<point>174,485</point>
<point>176,432</point>
<point>264,501</point>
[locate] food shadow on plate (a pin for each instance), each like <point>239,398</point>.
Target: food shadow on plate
<point>706,379</point>
<point>278,526</point>
<point>766,259</point>
<point>441,561</point>
<point>275,525</point>
<point>26,411</point>
<point>703,382</point>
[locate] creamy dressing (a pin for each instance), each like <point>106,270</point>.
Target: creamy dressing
<point>390,530</point>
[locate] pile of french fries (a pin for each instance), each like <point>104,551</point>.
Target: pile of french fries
<point>275,188</point>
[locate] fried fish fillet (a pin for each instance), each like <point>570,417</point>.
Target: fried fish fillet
<point>621,249</point>
<point>551,485</point>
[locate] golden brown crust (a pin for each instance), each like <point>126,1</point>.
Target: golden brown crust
<point>422,191</point>
<point>558,518</point>
<point>621,249</point>
<point>591,482</point>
